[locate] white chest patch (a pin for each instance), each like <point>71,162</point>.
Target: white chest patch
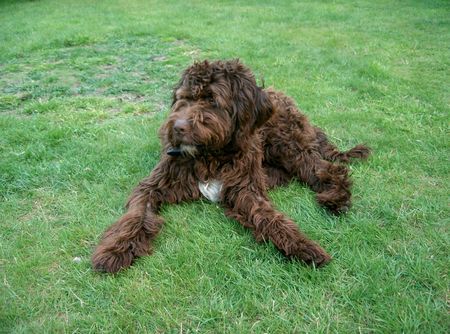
<point>211,189</point>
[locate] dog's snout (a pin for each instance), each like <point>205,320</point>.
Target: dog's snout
<point>181,125</point>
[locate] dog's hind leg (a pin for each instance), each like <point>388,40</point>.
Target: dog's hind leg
<point>275,176</point>
<point>290,141</point>
<point>331,153</point>
<point>330,181</point>
<point>131,235</point>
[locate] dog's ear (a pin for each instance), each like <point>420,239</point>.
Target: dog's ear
<point>252,104</point>
<point>253,108</point>
<point>263,107</point>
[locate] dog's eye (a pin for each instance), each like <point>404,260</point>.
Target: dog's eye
<point>212,102</point>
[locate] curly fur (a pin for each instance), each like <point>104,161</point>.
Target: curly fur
<point>224,127</point>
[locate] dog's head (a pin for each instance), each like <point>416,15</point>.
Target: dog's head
<point>216,106</point>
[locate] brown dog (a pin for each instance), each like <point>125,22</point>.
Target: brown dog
<point>230,140</point>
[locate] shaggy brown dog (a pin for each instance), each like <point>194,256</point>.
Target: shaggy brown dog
<point>231,140</point>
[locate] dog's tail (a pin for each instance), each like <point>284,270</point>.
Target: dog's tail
<point>331,153</point>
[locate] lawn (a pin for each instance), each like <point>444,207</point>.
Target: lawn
<point>84,87</point>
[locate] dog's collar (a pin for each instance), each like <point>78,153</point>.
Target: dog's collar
<point>174,151</point>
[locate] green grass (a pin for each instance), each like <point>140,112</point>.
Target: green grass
<point>84,87</point>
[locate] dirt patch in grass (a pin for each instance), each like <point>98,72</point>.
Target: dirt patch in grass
<point>134,71</point>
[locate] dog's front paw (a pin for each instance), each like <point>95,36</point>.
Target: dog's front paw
<point>312,254</point>
<point>111,261</point>
<point>116,251</point>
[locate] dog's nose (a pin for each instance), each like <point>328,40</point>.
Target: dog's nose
<point>181,125</point>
